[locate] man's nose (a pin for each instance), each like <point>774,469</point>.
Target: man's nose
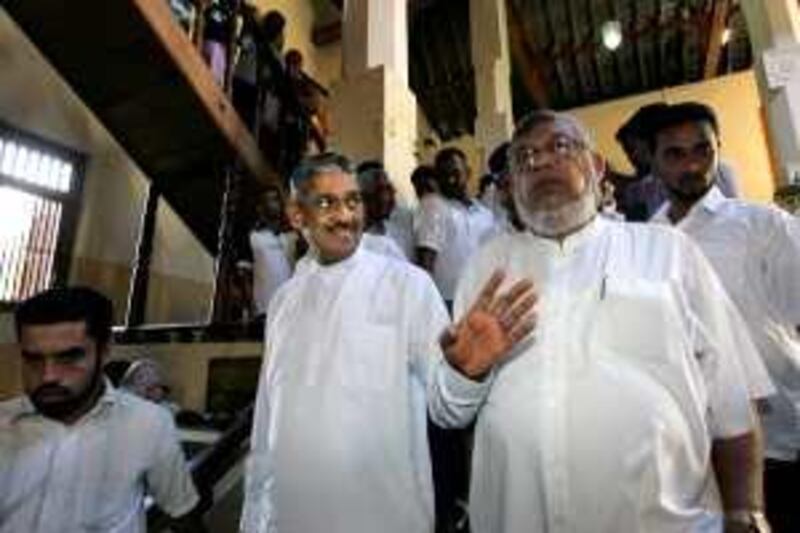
<point>51,371</point>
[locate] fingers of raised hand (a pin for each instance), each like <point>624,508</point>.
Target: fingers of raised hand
<point>487,295</point>
<point>522,328</point>
<point>520,291</point>
<point>517,312</point>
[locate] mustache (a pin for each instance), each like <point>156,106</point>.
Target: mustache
<point>347,226</point>
<point>692,176</point>
<point>50,390</point>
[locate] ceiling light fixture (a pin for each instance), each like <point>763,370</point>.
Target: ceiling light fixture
<point>611,31</point>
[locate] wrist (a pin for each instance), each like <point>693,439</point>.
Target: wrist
<point>746,520</point>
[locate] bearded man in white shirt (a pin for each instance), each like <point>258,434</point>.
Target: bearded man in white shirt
<point>755,250</point>
<point>628,410</point>
<point>76,454</point>
<point>339,443</point>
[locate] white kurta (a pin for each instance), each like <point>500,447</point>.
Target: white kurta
<point>90,476</point>
<point>400,227</point>
<point>384,245</point>
<point>603,420</point>
<point>339,442</point>
<point>272,265</point>
<point>755,250</point>
<point>454,231</point>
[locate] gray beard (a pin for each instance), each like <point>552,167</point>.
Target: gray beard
<point>561,221</point>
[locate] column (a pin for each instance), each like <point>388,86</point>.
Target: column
<point>774,28</point>
<point>490,58</point>
<point>374,111</point>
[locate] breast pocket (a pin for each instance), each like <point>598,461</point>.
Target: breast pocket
<point>638,319</point>
<point>371,358</point>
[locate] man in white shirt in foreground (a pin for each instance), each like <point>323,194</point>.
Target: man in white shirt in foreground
<point>627,410</point>
<point>77,455</point>
<point>755,250</point>
<point>339,443</point>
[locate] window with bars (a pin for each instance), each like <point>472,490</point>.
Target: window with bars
<point>39,189</point>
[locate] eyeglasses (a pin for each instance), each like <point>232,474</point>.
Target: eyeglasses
<point>327,203</point>
<point>560,146</point>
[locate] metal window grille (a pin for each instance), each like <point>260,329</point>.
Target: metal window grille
<point>38,186</point>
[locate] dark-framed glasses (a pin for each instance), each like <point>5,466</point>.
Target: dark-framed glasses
<point>526,156</point>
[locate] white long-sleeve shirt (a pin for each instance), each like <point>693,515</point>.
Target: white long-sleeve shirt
<point>602,421</point>
<point>339,443</point>
<point>454,231</point>
<point>272,264</point>
<point>755,250</point>
<point>91,475</point>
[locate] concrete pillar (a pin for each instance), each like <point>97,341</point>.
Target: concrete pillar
<point>490,58</point>
<point>374,111</point>
<point>774,28</point>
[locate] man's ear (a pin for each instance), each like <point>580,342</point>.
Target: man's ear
<point>294,212</point>
<point>598,164</point>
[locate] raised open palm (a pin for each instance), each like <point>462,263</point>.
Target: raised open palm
<point>491,327</point>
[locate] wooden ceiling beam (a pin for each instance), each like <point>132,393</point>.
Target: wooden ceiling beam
<point>719,15</point>
<point>525,57</point>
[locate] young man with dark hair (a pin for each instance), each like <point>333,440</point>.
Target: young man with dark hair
<point>755,250</point>
<point>423,179</point>
<point>450,227</point>
<point>76,454</point>
<point>381,233</point>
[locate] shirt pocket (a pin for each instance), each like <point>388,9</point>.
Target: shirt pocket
<point>638,319</point>
<point>371,358</point>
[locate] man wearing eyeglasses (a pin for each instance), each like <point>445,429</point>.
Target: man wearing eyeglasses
<point>628,409</point>
<point>339,442</point>
<point>755,250</point>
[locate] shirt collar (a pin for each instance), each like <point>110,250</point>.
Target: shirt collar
<point>313,264</point>
<point>573,241</point>
<point>709,203</point>
<point>110,395</point>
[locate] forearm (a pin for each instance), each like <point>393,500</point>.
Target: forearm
<point>738,468</point>
<point>453,399</point>
<point>257,506</point>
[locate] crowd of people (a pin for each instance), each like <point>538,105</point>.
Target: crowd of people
<point>572,351</point>
<point>281,104</point>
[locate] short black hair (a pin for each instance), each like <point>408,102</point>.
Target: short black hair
<point>484,183</point>
<point>369,164</point>
<point>68,304</point>
<point>676,114</point>
<point>367,179</point>
<point>272,25</point>
<point>422,179</point>
<point>446,153</point>
<point>640,124</point>
<point>498,161</point>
